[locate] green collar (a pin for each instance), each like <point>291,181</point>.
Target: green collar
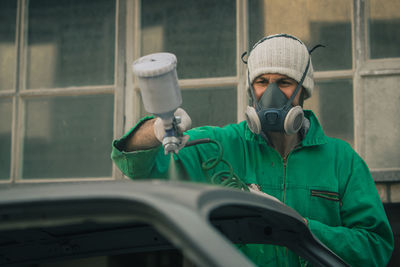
<point>314,136</point>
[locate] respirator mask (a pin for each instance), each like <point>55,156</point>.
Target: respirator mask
<point>274,112</point>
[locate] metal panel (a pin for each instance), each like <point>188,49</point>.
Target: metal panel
<point>382,122</point>
<point>84,216</point>
<point>20,47</point>
<point>358,60</point>
<point>242,46</point>
<point>386,175</point>
<point>119,75</point>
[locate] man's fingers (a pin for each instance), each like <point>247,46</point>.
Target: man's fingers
<point>159,130</point>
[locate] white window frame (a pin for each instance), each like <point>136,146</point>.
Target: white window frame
<point>20,93</point>
<point>365,67</point>
<point>126,91</point>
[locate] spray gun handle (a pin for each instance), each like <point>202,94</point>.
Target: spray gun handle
<point>172,140</point>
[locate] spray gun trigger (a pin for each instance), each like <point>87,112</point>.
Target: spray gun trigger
<point>177,119</point>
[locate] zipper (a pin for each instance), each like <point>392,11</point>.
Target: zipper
<point>284,161</point>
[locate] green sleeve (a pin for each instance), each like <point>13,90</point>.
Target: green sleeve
<point>365,237</point>
<point>152,163</point>
<point>136,164</point>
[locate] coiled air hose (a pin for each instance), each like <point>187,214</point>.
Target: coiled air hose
<point>225,177</point>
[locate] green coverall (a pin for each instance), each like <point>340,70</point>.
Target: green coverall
<point>323,179</point>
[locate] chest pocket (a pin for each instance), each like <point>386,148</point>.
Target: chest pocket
<point>325,206</point>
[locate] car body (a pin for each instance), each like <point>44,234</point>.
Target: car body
<point>53,222</point>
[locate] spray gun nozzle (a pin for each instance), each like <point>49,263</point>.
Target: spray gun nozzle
<point>171,144</point>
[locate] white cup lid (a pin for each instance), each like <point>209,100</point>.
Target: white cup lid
<point>154,64</point>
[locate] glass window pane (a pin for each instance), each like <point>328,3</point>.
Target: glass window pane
<point>332,103</point>
<point>313,21</point>
<point>384,28</point>
<point>70,43</point>
<point>5,137</point>
<point>8,13</point>
<point>209,106</point>
<point>202,34</point>
<point>68,137</point>
<point>381,119</point>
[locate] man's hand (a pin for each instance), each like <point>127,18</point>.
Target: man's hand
<point>184,125</point>
<point>151,133</point>
<point>256,189</point>
<point>178,141</point>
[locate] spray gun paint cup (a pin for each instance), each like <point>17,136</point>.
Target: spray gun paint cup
<point>158,82</point>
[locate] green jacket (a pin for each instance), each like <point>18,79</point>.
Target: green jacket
<point>325,180</point>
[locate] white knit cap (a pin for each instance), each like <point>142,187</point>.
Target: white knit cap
<point>283,54</point>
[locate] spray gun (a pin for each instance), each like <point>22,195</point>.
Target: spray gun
<point>158,82</point>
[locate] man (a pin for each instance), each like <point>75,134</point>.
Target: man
<point>281,150</point>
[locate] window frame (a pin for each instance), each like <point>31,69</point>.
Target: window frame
<point>365,67</point>
<point>237,81</point>
<point>20,94</point>
<point>126,91</point>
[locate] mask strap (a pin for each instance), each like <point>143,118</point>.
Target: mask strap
<point>242,57</point>
<point>303,77</point>
<point>315,47</point>
<point>301,100</point>
<point>289,102</point>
